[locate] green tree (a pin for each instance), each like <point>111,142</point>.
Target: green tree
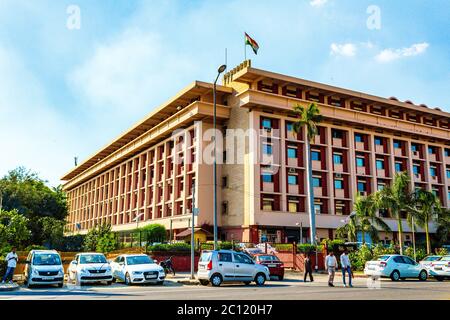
<point>92,238</point>
<point>309,117</point>
<point>427,208</point>
<point>153,233</point>
<point>397,198</point>
<point>364,219</point>
<point>443,225</point>
<point>52,230</point>
<point>13,229</point>
<point>106,243</point>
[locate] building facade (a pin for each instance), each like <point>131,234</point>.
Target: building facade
<point>156,171</point>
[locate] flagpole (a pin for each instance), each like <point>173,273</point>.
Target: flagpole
<point>245,48</point>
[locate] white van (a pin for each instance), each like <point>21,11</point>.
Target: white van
<point>44,267</point>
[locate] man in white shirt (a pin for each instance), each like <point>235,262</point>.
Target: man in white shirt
<point>11,260</point>
<point>346,267</point>
<point>331,265</point>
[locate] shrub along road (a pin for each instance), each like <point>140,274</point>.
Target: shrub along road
<point>291,288</point>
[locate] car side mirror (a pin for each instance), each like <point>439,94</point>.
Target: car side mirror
<point>74,262</point>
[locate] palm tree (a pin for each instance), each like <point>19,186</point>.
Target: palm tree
<point>309,117</point>
<point>397,198</point>
<point>443,225</point>
<point>350,229</point>
<point>364,219</point>
<point>427,208</point>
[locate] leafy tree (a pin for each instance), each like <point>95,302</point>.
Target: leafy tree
<point>154,233</point>
<point>397,198</point>
<point>443,225</point>
<point>13,229</point>
<point>309,117</point>
<point>428,207</point>
<point>52,231</point>
<point>94,235</point>
<point>106,243</point>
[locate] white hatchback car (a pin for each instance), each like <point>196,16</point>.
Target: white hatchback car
<point>441,269</point>
<point>230,266</point>
<point>43,267</point>
<point>90,267</point>
<point>396,267</point>
<point>137,268</point>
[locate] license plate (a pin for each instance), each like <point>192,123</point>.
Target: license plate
<point>371,268</point>
<point>201,267</point>
<point>272,265</point>
<point>437,268</point>
<point>150,277</point>
<point>49,279</point>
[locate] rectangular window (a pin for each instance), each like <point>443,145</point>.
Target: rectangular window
<point>380,164</point>
<point>433,171</point>
<point>267,204</point>
<point>337,134</point>
<point>266,123</point>
<point>315,155</point>
<point>267,177</point>
<point>318,208</point>
<point>292,152</point>
<point>448,173</point>
<point>397,144</point>
<point>338,184</point>
<point>448,195</point>
<point>360,162</point>
<point>431,150</point>
<point>292,179</point>
<point>414,147</point>
<point>378,141</point>
<point>380,186</point>
<point>317,182</point>
<point>359,137</point>
<point>289,126</point>
<point>447,152</point>
<point>337,158</point>
<point>416,169</point>
<point>292,206</point>
<point>361,186</point>
<point>267,149</point>
<point>398,167</point>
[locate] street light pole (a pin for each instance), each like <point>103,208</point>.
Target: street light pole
<point>219,71</point>
<point>301,231</point>
<point>413,238</point>
<point>192,232</point>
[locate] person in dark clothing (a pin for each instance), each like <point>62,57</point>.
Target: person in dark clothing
<point>308,268</point>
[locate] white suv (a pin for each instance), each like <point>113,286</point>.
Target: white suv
<point>230,266</point>
<point>43,267</point>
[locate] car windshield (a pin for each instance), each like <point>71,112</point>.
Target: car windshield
<point>382,258</point>
<point>433,258</point>
<point>265,258</point>
<point>205,257</point>
<point>446,258</point>
<point>139,260</point>
<point>92,258</point>
<point>46,259</point>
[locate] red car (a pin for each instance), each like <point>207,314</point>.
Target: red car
<point>276,267</point>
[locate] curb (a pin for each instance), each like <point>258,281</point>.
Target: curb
<point>9,287</point>
<point>189,282</point>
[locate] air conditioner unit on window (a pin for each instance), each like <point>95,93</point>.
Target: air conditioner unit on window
<point>338,175</point>
<point>292,170</point>
<point>317,210</point>
<point>363,193</point>
<point>268,129</point>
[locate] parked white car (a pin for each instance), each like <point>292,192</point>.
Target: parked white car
<point>427,261</point>
<point>441,269</point>
<point>230,266</point>
<point>270,249</point>
<point>43,267</point>
<point>396,267</point>
<point>137,268</point>
<point>90,267</point>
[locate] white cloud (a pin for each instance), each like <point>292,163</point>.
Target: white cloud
<point>129,72</point>
<point>346,49</point>
<point>389,55</point>
<point>317,3</point>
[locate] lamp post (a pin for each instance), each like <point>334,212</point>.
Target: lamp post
<point>301,231</point>
<point>219,71</point>
<point>413,237</point>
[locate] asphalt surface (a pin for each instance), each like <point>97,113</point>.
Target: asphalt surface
<point>292,288</point>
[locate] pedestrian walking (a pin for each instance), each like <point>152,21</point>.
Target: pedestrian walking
<point>331,265</point>
<point>346,267</point>
<point>308,268</point>
<point>11,260</point>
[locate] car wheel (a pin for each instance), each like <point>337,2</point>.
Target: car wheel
<point>60,285</point>
<point>260,279</point>
<point>160,282</point>
<point>247,282</point>
<point>395,275</point>
<point>113,280</point>
<point>438,278</point>
<point>127,279</point>
<point>216,280</point>
<point>423,275</point>
<point>109,283</point>
<point>204,282</point>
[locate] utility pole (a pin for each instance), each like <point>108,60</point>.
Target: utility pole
<point>194,209</point>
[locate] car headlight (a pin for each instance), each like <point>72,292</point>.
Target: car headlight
<point>35,272</point>
<point>161,270</point>
<point>61,272</point>
<point>137,272</point>
<point>83,270</point>
<point>108,269</point>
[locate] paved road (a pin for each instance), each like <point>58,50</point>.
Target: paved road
<point>291,288</point>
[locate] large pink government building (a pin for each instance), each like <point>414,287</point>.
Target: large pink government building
<point>148,174</point>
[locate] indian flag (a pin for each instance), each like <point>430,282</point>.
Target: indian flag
<point>252,43</point>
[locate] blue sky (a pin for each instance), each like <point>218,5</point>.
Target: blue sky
<point>66,93</point>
